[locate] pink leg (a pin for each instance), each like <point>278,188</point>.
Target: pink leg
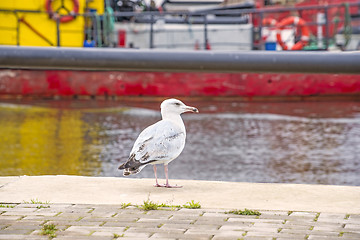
<point>156,181</point>
<point>167,178</point>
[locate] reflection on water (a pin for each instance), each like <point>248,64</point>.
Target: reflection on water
<point>251,142</point>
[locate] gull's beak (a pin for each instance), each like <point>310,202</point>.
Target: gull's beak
<point>191,109</point>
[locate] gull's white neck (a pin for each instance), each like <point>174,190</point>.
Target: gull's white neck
<point>174,117</point>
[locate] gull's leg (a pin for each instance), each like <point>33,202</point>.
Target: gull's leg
<point>156,181</point>
<point>167,178</point>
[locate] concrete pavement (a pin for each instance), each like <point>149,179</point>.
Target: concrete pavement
<point>93,208</point>
<point>211,194</point>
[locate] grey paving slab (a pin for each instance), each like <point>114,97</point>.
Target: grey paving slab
<point>175,224</point>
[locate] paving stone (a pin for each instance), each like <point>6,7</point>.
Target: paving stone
<point>235,219</point>
<point>153,216</point>
<point>106,234</point>
<point>302,232</point>
<point>182,221</point>
<point>347,235</point>
<point>225,228</point>
<point>15,213</point>
<point>327,228</point>
<point>289,237</point>
<point>261,234</point>
<point>8,231</point>
<point>70,216</point>
<point>36,218</point>
<point>222,215</point>
<point>184,217</point>
<point>137,235</point>
<point>132,224</point>
<point>181,236</point>
<point>229,235</point>
<point>17,209</point>
<point>316,237</point>
<point>203,226</point>
<point>23,227</point>
<point>168,225</point>
<point>22,237</point>
<point>290,226</point>
<point>140,229</point>
<point>267,225</point>
<point>311,215</point>
<point>333,234</point>
<point>353,227</point>
<point>83,238</point>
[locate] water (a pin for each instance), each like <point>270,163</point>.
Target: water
<point>316,143</point>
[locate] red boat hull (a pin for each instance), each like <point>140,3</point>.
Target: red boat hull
<point>48,83</point>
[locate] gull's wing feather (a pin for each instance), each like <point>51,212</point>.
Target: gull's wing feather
<point>162,141</point>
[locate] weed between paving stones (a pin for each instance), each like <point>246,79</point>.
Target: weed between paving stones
<point>244,212</point>
<point>36,201</point>
<point>150,205</point>
<point>116,236</point>
<point>50,230</point>
<point>6,206</point>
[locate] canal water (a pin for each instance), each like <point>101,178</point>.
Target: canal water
<point>311,142</point>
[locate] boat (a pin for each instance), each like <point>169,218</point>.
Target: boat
<point>232,25</point>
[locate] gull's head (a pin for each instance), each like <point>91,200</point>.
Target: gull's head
<point>174,106</point>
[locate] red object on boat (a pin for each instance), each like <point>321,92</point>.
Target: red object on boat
<point>121,38</point>
<point>298,22</point>
<point>250,86</point>
<point>63,19</point>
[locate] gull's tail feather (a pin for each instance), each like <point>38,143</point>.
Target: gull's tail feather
<point>132,171</point>
<point>132,166</point>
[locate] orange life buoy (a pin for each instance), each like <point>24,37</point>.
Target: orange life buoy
<point>305,32</point>
<point>67,18</point>
<point>269,22</point>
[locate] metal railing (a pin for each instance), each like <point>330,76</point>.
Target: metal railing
<point>174,61</point>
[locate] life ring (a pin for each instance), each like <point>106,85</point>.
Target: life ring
<point>66,18</point>
<point>305,32</point>
<point>269,22</point>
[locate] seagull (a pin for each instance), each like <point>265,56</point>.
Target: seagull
<point>161,142</point>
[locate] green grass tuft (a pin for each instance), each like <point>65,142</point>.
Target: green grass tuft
<point>36,201</point>
<point>116,236</point>
<point>149,205</point>
<point>50,230</point>
<point>42,206</point>
<point>6,206</point>
<point>125,205</point>
<point>192,205</point>
<point>244,212</point>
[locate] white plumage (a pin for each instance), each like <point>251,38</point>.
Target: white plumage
<point>161,142</point>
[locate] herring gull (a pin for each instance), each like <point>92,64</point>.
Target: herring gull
<point>161,142</point>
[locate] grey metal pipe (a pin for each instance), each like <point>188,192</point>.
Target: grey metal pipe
<point>178,61</point>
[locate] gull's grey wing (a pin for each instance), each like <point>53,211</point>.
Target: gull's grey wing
<point>162,141</point>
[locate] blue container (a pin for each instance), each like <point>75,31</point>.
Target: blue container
<point>89,43</point>
<point>270,46</point>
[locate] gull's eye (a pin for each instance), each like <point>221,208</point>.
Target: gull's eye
<point>177,104</point>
